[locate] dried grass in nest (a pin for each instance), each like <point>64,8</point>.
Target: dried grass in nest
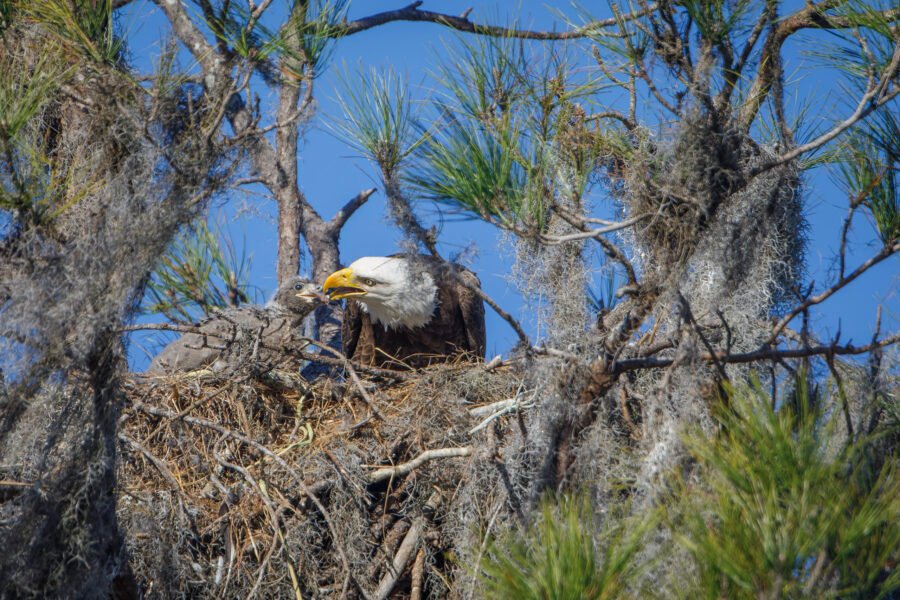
<point>232,487</point>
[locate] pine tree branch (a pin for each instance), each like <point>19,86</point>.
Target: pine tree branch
<point>867,105</point>
<point>556,240</point>
<point>212,63</point>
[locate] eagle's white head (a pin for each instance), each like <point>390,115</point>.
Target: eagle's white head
<point>395,292</point>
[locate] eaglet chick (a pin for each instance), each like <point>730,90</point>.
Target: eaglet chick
<point>230,338</point>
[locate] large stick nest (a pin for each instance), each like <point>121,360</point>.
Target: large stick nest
<point>238,488</point>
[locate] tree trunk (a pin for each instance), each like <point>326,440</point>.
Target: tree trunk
<point>290,200</point>
<point>322,239</point>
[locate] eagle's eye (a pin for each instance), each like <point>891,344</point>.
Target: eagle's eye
<point>298,286</point>
<point>369,282</point>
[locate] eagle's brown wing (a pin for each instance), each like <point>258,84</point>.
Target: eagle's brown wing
<point>357,337</point>
<point>456,327</point>
<point>471,307</point>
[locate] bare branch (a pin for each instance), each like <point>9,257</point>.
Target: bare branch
<point>256,14</point>
<point>407,467</point>
<point>418,573</point>
<point>611,250</point>
<point>885,252</point>
<point>867,105</point>
<point>810,17</point>
<point>407,547</point>
<point>634,364</point>
<point>555,240</point>
<point>342,216</point>
<point>212,63</point>
<point>733,74</point>
<point>495,410</point>
<point>462,23</point>
<point>523,337</point>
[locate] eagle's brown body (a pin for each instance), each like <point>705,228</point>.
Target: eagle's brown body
<point>456,329</point>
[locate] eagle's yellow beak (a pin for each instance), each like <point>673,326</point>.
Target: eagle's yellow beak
<point>343,284</point>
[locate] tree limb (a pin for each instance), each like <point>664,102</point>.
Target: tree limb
<point>342,216</point>
<point>634,364</point>
<point>212,63</point>
<point>885,252</point>
<point>407,467</point>
<point>556,240</point>
<point>866,106</point>
<point>407,547</point>
<point>810,17</point>
<point>411,12</point>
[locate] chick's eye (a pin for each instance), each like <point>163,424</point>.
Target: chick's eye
<point>369,282</point>
<point>298,286</point>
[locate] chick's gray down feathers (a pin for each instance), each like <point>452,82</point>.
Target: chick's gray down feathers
<point>229,339</point>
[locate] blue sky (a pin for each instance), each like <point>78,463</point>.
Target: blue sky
<point>331,172</point>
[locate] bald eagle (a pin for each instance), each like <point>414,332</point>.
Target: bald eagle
<point>407,311</point>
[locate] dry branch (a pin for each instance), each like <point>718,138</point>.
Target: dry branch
<point>495,410</point>
<point>407,467</point>
<point>412,12</point>
<point>407,547</point>
<point>886,252</point>
<point>633,364</point>
<point>418,573</point>
<point>811,16</point>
